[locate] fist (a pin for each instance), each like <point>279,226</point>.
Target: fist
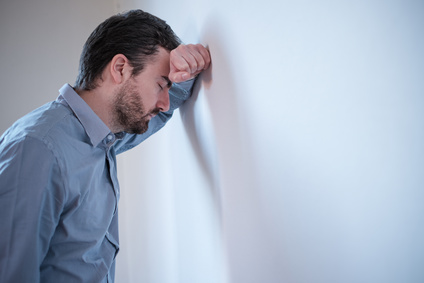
<point>187,61</point>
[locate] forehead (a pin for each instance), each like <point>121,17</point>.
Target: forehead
<point>155,69</point>
<point>159,61</point>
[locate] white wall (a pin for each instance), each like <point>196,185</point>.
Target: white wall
<point>299,158</point>
<point>304,144</point>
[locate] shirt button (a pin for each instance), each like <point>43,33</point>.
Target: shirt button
<point>109,137</point>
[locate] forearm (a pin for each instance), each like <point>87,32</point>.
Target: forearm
<point>178,94</point>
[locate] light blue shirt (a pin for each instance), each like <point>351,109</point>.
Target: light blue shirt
<point>59,191</point>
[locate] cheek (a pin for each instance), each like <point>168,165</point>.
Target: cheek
<point>150,97</point>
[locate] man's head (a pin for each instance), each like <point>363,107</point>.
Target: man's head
<point>135,34</point>
<point>138,98</point>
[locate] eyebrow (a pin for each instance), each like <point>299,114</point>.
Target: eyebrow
<point>168,81</point>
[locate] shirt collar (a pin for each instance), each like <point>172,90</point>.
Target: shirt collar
<point>93,125</point>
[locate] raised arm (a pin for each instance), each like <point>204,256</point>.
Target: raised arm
<point>186,62</point>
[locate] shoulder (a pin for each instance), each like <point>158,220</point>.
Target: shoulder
<point>38,122</point>
<point>35,149</point>
<point>47,134</point>
<point>29,140</point>
<point>49,124</point>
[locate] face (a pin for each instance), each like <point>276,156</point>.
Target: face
<point>143,96</point>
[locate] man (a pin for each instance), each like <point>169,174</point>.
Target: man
<point>58,182</point>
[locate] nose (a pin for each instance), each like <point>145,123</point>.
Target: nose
<point>163,102</point>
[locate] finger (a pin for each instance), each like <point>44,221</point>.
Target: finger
<point>178,77</point>
<point>202,57</point>
<point>206,57</point>
<point>199,64</point>
<point>182,60</point>
<point>192,58</point>
<point>192,55</point>
<point>178,62</point>
<point>187,61</point>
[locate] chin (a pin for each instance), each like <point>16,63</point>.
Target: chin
<point>139,130</point>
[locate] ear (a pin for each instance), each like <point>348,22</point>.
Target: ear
<point>120,68</point>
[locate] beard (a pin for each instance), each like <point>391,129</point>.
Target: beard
<point>129,111</point>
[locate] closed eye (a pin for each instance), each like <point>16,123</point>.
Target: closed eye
<point>168,81</point>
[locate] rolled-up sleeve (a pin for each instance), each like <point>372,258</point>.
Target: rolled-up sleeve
<point>31,199</point>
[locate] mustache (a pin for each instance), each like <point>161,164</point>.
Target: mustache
<point>155,111</point>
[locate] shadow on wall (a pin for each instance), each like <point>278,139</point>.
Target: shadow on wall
<point>211,119</point>
<point>220,138</point>
<point>196,127</point>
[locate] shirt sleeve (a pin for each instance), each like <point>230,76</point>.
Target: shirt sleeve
<point>178,94</point>
<point>30,207</point>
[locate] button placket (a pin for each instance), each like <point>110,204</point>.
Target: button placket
<point>113,176</point>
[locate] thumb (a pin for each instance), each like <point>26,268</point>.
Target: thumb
<point>179,76</point>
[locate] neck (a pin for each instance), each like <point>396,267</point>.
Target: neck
<point>100,102</point>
